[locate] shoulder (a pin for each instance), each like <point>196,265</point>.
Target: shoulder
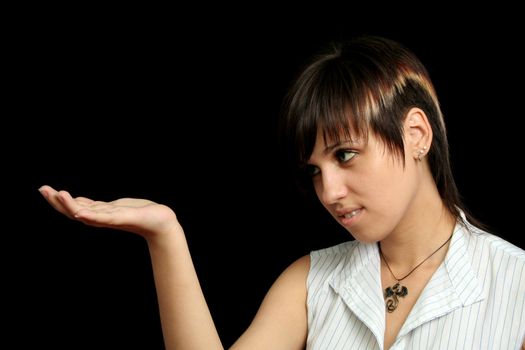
<point>491,247</point>
<point>329,262</point>
<point>495,261</point>
<point>294,276</point>
<point>325,258</point>
<point>298,268</point>
<point>331,257</point>
<point>340,250</point>
<point>495,278</point>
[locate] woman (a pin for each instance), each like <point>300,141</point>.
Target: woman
<point>364,126</point>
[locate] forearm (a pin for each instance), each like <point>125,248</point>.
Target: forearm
<point>185,317</point>
<point>186,320</point>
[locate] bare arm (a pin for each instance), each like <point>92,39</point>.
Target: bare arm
<point>186,320</point>
<point>281,322</point>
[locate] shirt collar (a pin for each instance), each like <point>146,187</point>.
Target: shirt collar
<point>358,282</point>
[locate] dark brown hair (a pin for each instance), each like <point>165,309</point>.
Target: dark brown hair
<point>367,85</point>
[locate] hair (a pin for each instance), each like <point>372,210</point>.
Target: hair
<point>367,84</point>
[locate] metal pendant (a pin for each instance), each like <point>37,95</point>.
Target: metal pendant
<point>392,294</point>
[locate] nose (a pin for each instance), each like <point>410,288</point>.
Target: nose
<point>331,188</point>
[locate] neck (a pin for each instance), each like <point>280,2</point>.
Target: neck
<point>416,239</point>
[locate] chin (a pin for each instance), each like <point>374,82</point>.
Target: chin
<point>365,238</point>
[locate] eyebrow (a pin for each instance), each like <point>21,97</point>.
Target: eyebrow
<point>330,148</point>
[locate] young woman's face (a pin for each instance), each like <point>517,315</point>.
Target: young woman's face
<point>363,186</point>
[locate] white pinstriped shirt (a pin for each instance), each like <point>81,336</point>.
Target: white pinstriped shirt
<point>475,299</point>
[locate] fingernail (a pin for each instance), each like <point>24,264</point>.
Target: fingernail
<point>41,190</point>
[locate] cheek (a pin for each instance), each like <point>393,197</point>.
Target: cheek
<point>386,184</point>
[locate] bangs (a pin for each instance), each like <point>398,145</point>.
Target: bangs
<point>350,92</point>
<point>327,100</point>
<point>364,87</point>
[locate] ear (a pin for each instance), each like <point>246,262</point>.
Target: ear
<point>418,133</point>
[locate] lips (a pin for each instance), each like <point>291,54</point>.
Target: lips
<point>348,213</point>
<point>349,217</point>
<point>351,214</point>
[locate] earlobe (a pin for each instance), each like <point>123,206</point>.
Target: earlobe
<point>421,153</point>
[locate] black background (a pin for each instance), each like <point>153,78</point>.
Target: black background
<point>181,107</point>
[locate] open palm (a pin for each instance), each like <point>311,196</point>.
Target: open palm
<point>139,216</point>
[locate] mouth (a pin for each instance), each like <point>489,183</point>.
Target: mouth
<point>347,214</point>
<point>349,217</point>
<point>350,214</point>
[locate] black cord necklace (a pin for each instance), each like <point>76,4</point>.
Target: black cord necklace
<point>398,290</point>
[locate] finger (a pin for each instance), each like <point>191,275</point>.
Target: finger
<point>68,203</point>
<point>107,215</point>
<point>100,217</point>
<point>84,200</point>
<point>51,196</point>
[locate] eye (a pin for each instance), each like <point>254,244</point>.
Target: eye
<point>345,155</point>
<point>311,170</point>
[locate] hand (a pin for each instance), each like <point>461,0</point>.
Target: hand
<point>143,217</point>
